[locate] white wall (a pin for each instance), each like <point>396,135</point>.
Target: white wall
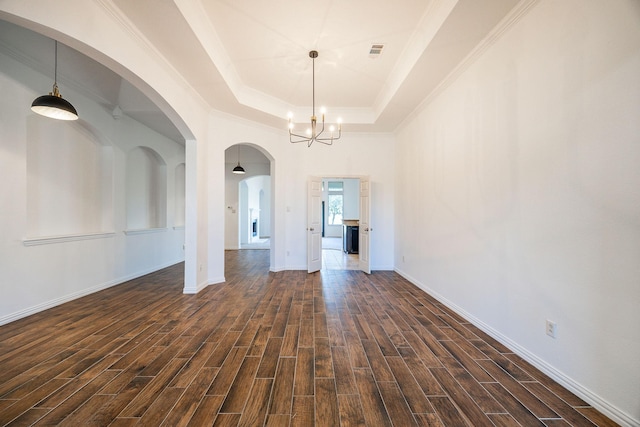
<point>255,185</point>
<point>350,204</point>
<point>264,201</point>
<point>351,199</point>
<point>517,196</point>
<point>291,167</point>
<point>51,261</point>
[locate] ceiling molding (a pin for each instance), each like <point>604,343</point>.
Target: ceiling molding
<point>196,16</point>
<point>432,20</point>
<point>513,17</point>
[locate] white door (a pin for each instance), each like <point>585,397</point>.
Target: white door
<point>364,229</point>
<point>314,225</point>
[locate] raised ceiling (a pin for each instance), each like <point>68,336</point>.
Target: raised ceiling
<point>250,58</point>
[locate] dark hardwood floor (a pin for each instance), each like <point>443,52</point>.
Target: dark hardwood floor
<point>275,349</point>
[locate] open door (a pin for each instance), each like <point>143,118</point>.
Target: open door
<point>364,229</point>
<point>314,225</point>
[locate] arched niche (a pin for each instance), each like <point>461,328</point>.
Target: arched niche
<point>69,179</point>
<point>179,195</point>
<point>146,184</point>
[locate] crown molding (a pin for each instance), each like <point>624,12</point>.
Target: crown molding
<point>513,17</point>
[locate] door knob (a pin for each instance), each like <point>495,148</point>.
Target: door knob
<point>311,229</point>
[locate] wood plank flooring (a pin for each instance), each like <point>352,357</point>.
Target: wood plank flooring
<point>334,348</point>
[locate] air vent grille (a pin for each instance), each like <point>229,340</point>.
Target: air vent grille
<point>376,49</point>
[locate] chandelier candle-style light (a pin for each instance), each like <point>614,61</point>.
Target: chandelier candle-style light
<point>312,133</point>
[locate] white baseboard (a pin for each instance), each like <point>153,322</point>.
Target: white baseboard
<point>382,268</point>
<point>569,383</point>
<point>215,281</point>
<point>12,317</point>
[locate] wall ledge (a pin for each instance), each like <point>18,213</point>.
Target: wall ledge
<point>144,231</point>
<point>35,241</point>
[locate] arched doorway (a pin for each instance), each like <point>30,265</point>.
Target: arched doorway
<point>248,198</point>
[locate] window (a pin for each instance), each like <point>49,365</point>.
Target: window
<point>335,199</point>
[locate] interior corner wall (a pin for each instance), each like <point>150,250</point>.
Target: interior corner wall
<point>56,269</point>
<point>517,196</point>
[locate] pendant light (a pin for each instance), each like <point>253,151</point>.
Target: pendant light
<point>53,105</point>
<point>238,169</point>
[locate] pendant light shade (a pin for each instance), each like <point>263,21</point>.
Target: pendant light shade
<point>238,169</point>
<point>53,105</point>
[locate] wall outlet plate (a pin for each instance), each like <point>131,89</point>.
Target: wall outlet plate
<point>551,328</point>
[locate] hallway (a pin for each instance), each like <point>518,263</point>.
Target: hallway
<point>288,348</point>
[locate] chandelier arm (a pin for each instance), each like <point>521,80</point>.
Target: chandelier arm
<point>326,141</point>
<point>321,130</point>
<point>331,138</point>
<point>300,138</point>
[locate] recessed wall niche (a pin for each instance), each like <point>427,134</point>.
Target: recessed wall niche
<point>146,183</point>
<point>69,179</point>
<point>180,192</point>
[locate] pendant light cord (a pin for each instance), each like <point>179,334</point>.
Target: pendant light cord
<point>55,73</point>
<point>55,69</point>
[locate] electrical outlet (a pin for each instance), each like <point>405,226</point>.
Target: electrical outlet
<point>551,328</point>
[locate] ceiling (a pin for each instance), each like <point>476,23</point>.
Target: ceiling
<point>250,58</point>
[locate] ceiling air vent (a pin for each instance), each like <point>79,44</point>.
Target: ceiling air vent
<point>376,50</point>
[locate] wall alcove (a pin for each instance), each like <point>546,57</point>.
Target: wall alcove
<point>146,183</point>
<point>69,179</point>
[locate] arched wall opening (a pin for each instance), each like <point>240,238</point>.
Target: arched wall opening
<point>249,198</point>
<point>97,137</point>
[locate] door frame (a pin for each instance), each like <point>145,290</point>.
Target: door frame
<point>363,266</point>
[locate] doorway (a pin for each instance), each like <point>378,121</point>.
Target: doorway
<point>248,198</point>
<point>340,223</point>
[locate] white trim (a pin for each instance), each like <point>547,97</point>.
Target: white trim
<point>144,231</point>
<point>79,294</point>
<point>220,279</point>
<point>35,241</point>
<point>202,285</point>
<point>513,17</point>
<point>569,383</point>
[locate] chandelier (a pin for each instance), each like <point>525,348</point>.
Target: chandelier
<point>313,134</point>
